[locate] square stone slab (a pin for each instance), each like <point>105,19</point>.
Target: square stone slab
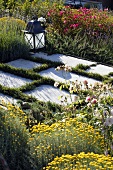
<point>12,81</point>
<point>63,76</point>
<point>67,60</point>
<point>24,64</point>
<point>100,69</point>
<point>7,99</point>
<point>48,93</point>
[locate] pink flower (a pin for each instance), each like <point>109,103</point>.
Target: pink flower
<point>94,101</point>
<point>85,82</point>
<point>48,14</point>
<point>100,25</point>
<point>75,16</point>
<point>65,21</point>
<point>74,25</point>
<point>65,30</point>
<point>88,98</point>
<point>61,12</point>
<point>106,9</point>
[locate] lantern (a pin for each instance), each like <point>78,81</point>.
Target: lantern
<point>35,34</point>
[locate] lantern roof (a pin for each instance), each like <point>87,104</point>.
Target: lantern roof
<point>34,26</point>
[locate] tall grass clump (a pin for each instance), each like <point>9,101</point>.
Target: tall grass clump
<point>14,138</point>
<point>12,44</point>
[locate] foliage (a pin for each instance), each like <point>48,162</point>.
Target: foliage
<point>83,160</point>
<point>65,137</point>
<point>14,137</point>
<point>100,50</point>
<point>97,109</point>
<point>12,44</point>
<point>92,21</point>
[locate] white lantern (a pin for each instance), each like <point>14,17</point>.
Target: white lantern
<point>35,34</point>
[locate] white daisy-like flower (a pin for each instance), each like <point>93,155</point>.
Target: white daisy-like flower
<point>111,112</point>
<point>56,84</point>
<point>109,121</point>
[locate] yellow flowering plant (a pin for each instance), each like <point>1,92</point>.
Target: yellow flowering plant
<point>81,161</point>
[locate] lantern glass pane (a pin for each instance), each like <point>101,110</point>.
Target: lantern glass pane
<point>29,40</point>
<point>39,40</point>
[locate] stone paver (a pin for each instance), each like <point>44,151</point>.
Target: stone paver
<point>100,69</point>
<point>62,76</point>
<point>46,92</point>
<point>67,60</point>
<point>11,80</point>
<point>24,64</point>
<point>49,93</point>
<point>7,99</point>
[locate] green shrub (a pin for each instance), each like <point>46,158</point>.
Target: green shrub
<point>81,161</point>
<point>99,49</point>
<point>65,137</point>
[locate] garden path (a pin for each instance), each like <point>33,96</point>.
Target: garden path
<point>47,92</point>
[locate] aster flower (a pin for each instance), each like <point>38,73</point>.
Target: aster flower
<point>88,99</point>
<point>94,101</point>
<point>109,121</point>
<point>111,112</point>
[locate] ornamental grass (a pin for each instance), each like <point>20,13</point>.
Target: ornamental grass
<point>13,45</point>
<point>14,137</point>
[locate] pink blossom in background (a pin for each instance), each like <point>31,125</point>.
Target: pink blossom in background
<point>88,98</point>
<point>85,82</point>
<point>75,16</point>
<point>61,12</point>
<point>106,9</point>
<point>94,101</point>
<point>95,17</point>
<point>48,14</point>
<point>74,25</point>
<point>65,30</point>
<point>65,21</point>
<point>100,25</point>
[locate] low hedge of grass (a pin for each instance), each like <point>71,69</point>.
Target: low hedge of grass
<point>38,80</point>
